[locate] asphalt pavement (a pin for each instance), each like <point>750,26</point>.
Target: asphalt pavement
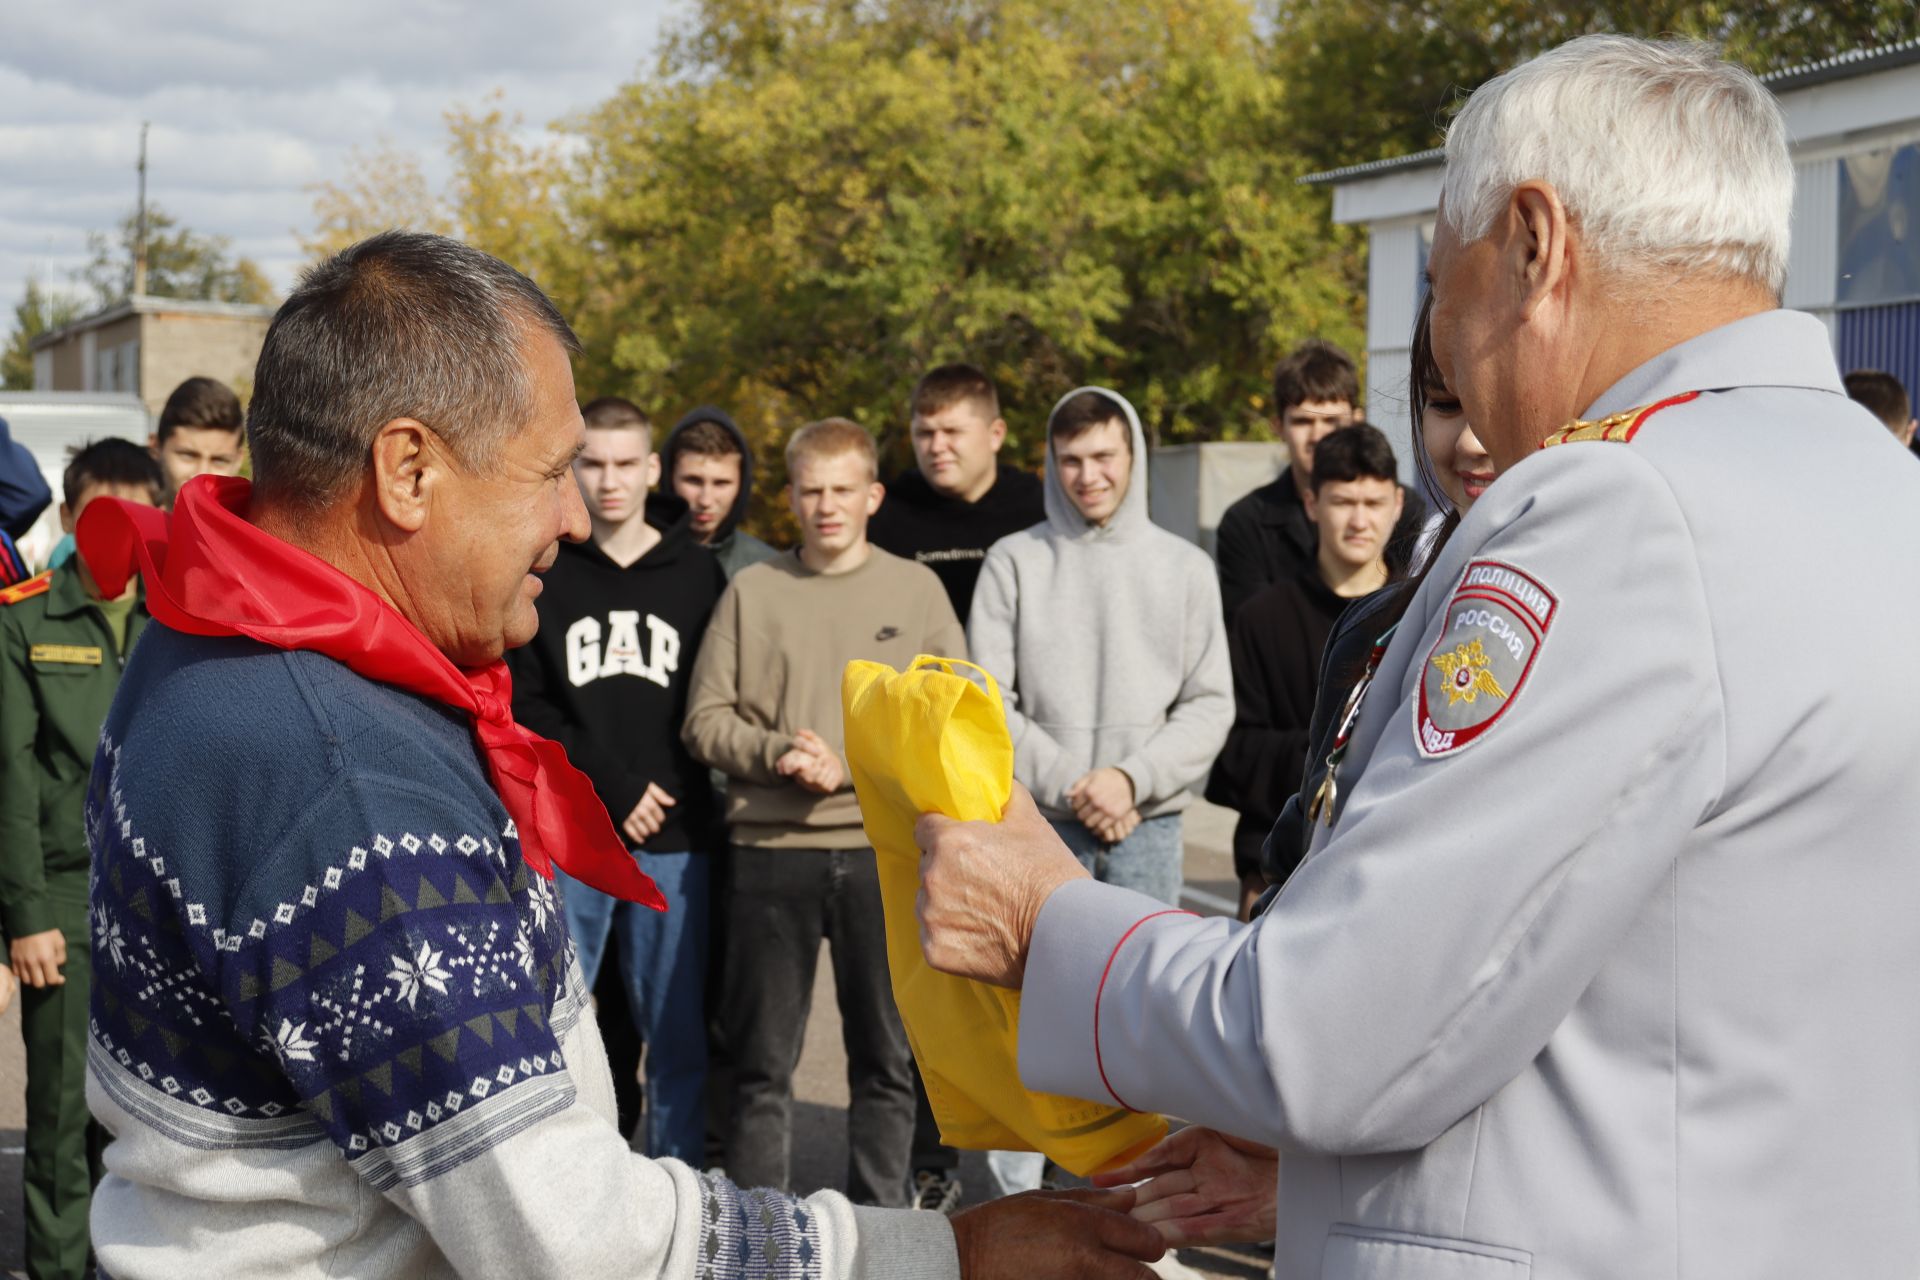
<point>820,1086</point>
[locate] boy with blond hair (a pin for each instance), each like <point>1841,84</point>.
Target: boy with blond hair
<point>765,710</point>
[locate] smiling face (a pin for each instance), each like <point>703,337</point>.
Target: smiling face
<point>956,448</point>
<point>1460,462</point>
<point>1095,469</point>
<point>489,532</point>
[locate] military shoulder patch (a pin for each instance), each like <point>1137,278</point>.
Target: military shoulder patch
<point>1489,638</point>
<point>1616,428</point>
<point>38,585</point>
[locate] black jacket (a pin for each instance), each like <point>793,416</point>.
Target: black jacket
<point>1275,642</point>
<point>1266,536</point>
<point>1342,664</point>
<point>608,674</point>
<point>951,537</point>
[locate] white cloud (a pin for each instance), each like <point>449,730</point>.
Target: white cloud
<point>249,105</point>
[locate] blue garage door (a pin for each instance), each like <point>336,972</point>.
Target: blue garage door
<point>1886,337</point>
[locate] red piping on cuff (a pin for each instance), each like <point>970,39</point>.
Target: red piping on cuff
<point>1099,991</point>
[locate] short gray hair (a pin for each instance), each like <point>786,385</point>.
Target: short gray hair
<point>1665,155</point>
<point>402,325</point>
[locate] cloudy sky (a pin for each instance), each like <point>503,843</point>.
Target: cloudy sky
<point>251,103</point>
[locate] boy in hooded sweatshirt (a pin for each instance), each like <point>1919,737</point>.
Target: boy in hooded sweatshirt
<point>709,465</point>
<point>621,619</point>
<point>1105,634</point>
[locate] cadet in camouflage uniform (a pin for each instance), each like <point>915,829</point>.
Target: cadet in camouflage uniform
<point>61,651</point>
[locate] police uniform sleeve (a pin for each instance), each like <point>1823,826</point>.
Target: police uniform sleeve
<point>1476,881</point>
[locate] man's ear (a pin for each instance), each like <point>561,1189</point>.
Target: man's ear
<point>653,471</point>
<point>1307,500</point>
<point>406,467</point>
<point>1537,227</point>
<point>1906,437</point>
<point>997,432</point>
<point>876,493</point>
<point>66,519</point>
<point>153,443</point>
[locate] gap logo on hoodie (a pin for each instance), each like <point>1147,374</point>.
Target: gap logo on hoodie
<point>596,651</point>
<point>608,673</point>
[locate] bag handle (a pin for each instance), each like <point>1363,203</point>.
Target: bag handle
<point>928,662</point>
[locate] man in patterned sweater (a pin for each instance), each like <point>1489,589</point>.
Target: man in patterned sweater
<point>338,1028</point>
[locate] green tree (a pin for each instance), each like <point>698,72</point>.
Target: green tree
<point>381,189</point>
<point>181,263</point>
<point>1378,78</point>
<point>37,312</point>
<point>826,198</point>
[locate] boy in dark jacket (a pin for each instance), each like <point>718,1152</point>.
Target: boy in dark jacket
<point>961,499</point>
<point>1276,638</point>
<point>621,620</point>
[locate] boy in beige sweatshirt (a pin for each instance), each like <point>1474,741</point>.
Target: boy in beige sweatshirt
<point>765,710</point>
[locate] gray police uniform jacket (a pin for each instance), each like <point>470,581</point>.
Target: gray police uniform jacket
<point>1608,969</point>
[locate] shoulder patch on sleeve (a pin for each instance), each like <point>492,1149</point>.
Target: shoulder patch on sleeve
<point>38,585</point>
<point>1618,428</point>
<point>1490,635</point>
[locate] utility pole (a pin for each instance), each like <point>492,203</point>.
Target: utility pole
<point>140,222</point>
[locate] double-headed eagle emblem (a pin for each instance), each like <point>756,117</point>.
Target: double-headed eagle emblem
<point>1466,674</point>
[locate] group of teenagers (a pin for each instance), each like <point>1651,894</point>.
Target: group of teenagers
<point>691,671</point>
<point>694,674</point>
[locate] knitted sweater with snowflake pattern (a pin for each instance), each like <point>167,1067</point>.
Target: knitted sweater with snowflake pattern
<point>336,1020</point>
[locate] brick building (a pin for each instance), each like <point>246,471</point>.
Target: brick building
<point>148,346</point>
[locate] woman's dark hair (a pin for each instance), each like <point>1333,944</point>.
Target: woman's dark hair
<point>1423,378</point>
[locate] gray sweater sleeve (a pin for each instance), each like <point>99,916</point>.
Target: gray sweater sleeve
<point>993,636</point>
<point>714,731</point>
<point>1181,751</point>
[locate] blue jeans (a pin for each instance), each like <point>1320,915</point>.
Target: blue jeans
<point>665,956</point>
<point>1147,861</point>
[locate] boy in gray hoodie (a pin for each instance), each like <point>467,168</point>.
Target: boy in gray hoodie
<point>1105,634</point>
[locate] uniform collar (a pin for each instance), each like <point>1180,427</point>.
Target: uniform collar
<point>1778,348</point>
<point>67,594</point>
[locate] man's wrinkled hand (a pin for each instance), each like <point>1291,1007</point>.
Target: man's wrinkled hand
<point>1061,1235</point>
<point>649,815</point>
<point>39,957</point>
<point>982,885</point>
<point>1204,1187</point>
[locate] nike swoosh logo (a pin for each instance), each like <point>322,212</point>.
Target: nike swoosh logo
<point>885,633</point>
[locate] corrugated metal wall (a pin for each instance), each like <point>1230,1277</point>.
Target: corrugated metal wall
<point>1886,338</point>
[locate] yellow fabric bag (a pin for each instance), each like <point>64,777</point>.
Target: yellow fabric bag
<point>928,740</point>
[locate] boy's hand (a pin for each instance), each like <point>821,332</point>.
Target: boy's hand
<point>813,764</point>
<point>1104,796</point>
<point>649,815</point>
<point>1115,830</point>
<point>38,958</point>
<point>7,987</point>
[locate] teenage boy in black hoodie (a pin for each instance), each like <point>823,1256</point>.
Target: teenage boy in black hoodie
<point>707,463</point>
<point>945,514</point>
<point>961,499</point>
<point>621,620</point>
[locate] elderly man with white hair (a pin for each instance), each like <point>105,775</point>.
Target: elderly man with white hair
<point>1601,963</point>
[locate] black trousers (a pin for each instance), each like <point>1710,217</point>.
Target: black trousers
<point>781,904</point>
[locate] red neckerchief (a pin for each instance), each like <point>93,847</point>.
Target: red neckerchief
<point>213,574</point>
